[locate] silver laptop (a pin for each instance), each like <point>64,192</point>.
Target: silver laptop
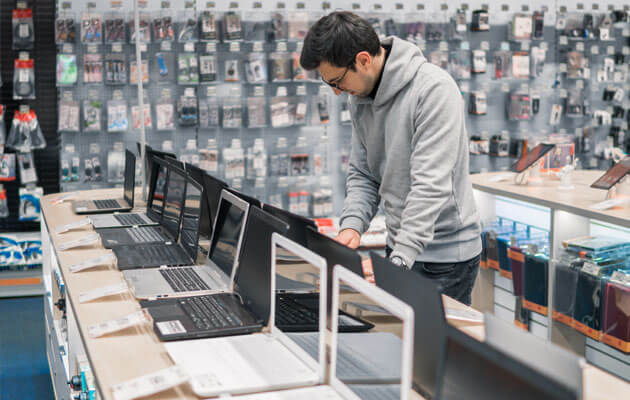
<point>336,389</point>
<point>155,203</point>
<point>260,361</point>
<point>217,275</point>
<point>552,360</point>
<point>117,204</point>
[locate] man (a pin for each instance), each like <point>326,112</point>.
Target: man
<point>409,149</point>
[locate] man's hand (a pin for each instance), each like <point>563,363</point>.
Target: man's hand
<point>349,237</point>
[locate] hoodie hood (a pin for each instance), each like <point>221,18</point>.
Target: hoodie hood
<point>401,67</point>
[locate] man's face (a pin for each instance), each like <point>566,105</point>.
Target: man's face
<point>356,82</point>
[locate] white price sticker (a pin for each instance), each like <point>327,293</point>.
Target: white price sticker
<point>64,197</point>
<point>595,49</point>
<point>485,45</point>
<point>211,47</point>
<point>104,291</point>
<point>74,225</point>
<point>235,47</point>
<point>166,46</point>
<point>117,48</point>
<point>625,32</point>
<point>610,50</point>
<point>300,90</point>
<point>281,47</point>
<point>443,46</point>
<point>211,91</point>
<point>150,384</point>
<point>173,327</point>
<point>282,91</point>
<point>579,46</point>
<point>563,41</point>
<point>84,241</point>
<point>591,268</point>
<point>621,277</point>
<point>116,325</point>
<point>257,47</point>
<point>107,259</point>
<point>189,47</point>
<point>562,67</point>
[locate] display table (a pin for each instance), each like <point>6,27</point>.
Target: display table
<point>565,214</point>
<point>137,351</point>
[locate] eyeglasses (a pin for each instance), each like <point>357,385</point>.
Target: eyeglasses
<point>336,84</point>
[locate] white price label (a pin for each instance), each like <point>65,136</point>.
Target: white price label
<point>301,90</point>
<point>211,47</point>
<point>562,67</point>
<point>235,47</point>
<point>64,197</point>
<point>189,92</point>
<point>150,384</point>
<point>625,32</point>
<point>610,50</point>
<point>443,46</point>
<point>189,47</point>
<point>282,91</point>
<point>143,47</point>
<point>525,46</point>
<point>257,47</point>
<point>116,325</point>
<point>621,277</point>
<point>259,91</point>
<point>579,46</point>
<point>104,291</point>
<point>67,48</point>
<point>166,46</point>
<point>117,48</point>
<point>579,84</point>
<point>281,47</point>
<point>563,41</point>
<point>173,327</point>
<point>211,91</point>
<point>74,225</point>
<point>505,87</point>
<point>625,50</point>
<point>485,45</point>
<point>595,49</point>
<point>591,268</point>
<point>94,262</point>
<point>84,241</point>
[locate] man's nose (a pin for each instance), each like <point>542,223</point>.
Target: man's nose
<point>337,91</point>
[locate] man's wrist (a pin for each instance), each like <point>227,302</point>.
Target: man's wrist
<point>398,261</point>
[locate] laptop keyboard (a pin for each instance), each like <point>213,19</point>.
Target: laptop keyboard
<point>377,392</point>
<point>291,313</point>
<point>162,255</point>
<point>207,312</point>
<point>106,204</point>
<point>347,365</point>
<point>146,234</point>
<point>183,279</point>
<point>129,219</point>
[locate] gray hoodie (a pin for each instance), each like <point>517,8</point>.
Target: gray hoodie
<point>410,150</point>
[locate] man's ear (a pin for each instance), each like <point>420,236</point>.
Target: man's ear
<point>363,60</point>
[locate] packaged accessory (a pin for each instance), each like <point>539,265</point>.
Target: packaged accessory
<point>439,58</point>
<point>537,56</point>
<point>278,28</point>
<point>187,110</point>
<point>210,157</point>
<point>208,26</point>
<point>68,116</point>
<point>164,63</point>
<point>92,68</point>
<point>520,106</point>
<point>66,69</point>
<point>117,120</point>
<point>232,112</point>
<point>27,168</point>
<point>138,118</point>
<point>232,73</point>
<point>23,29</point>
<point>92,115</point>
<point>575,103</point>
<point>30,203</point>
<point>133,71</point>
<point>163,28</point>
<point>256,112</point>
<point>458,25</point>
<point>4,206</point>
<point>232,26</point>
<point>521,27</point>
<point>460,64</point>
<point>165,112</point>
<point>115,69</point>
<point>280,116</point>
<point>144,30</point>
<point>479,63</point>
<point>209,113</point>
<point>65,29</point>
<point>280,67</point>
<point>188,28</point>
<point>25,134</point>
<point>577,65</point>
<point>478,104</point>
<point>116,164</point>
<point>480,21</point>
<point>502,64</point>
<point>208,68</point>
<point>188,69</point>
<point>297,25</point>
<point>3,129</point>
<point>520,64</point>
<point>91,28</point>
<point>255,70</point>
<point>24,78</point>
<point>538,32</point>
<point>257,160</point>
<point>115,28</point>
<point>7,167</point>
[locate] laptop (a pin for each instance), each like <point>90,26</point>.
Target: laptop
<point>257,362</point>
<point>336,389</point>
<point>112,205</point>
<point>430,324</point>
<point>216,275</point>
<point>298,224</point>
<point>299,303</point>
<point>168,230</point>
<point>253,202</point>
<point>551,360</point>
<point>155,204</point>
<point>150,154</point>
<point>473,370</point>
<point>182,252</point>
<point>213,187</point>
<point>245,310</point>
<point>206,220</point>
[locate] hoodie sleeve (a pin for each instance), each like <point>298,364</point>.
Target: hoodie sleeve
<point>438,121</point>
<point>362,198</point>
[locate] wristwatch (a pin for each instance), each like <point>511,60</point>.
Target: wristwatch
<point>397,260</point>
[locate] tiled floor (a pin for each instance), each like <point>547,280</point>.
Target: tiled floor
<point>24,373</point>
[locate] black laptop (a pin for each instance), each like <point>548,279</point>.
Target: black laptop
<point>112,205</point>
<point>150,154</point>
<point>474,370</point>
<point>298,224</point>
<point>167,231</point>
<point>429,322</point>
<point>183,252</point>
<point>205,227</point>
<point>245,311</point>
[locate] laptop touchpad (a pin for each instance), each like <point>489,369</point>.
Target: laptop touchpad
<point>172,310</point>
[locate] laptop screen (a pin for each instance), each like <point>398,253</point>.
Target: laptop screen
<point>197,174</point>
<point>251,200</point>
<point>474,370</point>
<point>225,240</point>
<point>157,200</point>
<point>297,224</point>
<point>191,217</point>
<point>531,157</point>
<point>429,323</point>
<point>175,195</point>
<point>213,188</point>
<point>130,176</point>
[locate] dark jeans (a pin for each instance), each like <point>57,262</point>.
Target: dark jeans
<point>455,279</point>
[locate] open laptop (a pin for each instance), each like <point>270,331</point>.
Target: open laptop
<point>168,230</point>
<point>336,389</point>
<point>112,205</point>
<point>253,202</point>
<point>213,187</point>
<point>182,252</point>
<point>205,226</point>
<point>430,324</point>
<point>298,224</point>
<point>155,204</point>
<point>151,154</point>
<point>551,360</point>
<point>244,310</point>
<point>257,362</point>
<point>216,275</point>
<point>299,303</point>
<point>474,370</point>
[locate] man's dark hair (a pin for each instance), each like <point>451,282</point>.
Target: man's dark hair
<point>337,38</point>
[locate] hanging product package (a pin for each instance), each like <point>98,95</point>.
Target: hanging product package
<point>3,129</point>
<point>23,32</point>
<point>7,167</point>
<point>25,134</point>
<point>67,72</point>
<point>27,168</point>
<point>30,203</point>
<point>4,206</point>
<point>24,79</point>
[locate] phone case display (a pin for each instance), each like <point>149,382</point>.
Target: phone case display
<point>23,29</point>
<point>67,72</point>
<point>25,134</point>
<point>24,79</point>
<point>115,28</point>
<point>91,28</point>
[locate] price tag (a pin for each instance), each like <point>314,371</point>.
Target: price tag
<point>211,91</point>
<point>189,47</point>
<point>150,384</point>
<point>92,48</point>
<point>621,277</point>
<point>281,47</point>
<point>563,93</point>
<point>525,46</point>
<point>485,45</point>
<point>505,7</point>
<point>505,46</point>
<point>107,259</point>
<point>563,40</point>
<point>257,47</point>
<point>625,32</point>
<point>579,84</point>
<point>116,325</point>
<point>104,291</point>
<point>189,92</point>
<point>625,50</point>
<point>505,87</point>
<point>580,6</point>
<point>579,46</point>
<point>300,90</point>
<point>591,269</point>
<point>281,91</point>
<point>235,47</point>
<point>595,6</point>
<point>605,205</point>
<point>610,50</point>
<point>67,48</point>
<point>595,49</point>
<point>524,8</point>
<point>211,47</point>
<point>67,196</point>
<point>74,225</point>
<point>259,91</point>
<point>166,4</point>
<point>443,46</point>
<point>562,67</point>
<point>235,91</point>
<point>84,241</point>
<point>166,46</point>
<point>117,47</point>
